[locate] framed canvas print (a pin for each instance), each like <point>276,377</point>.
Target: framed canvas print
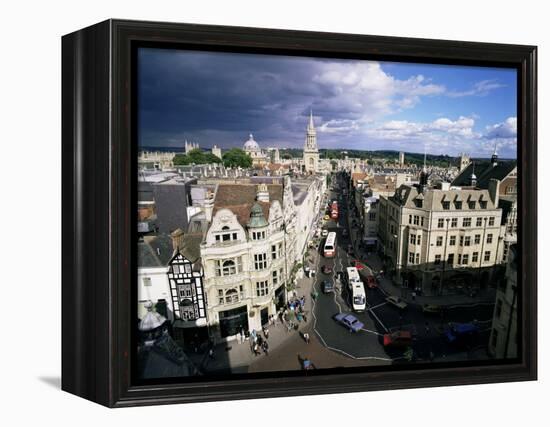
<point>259,213</point>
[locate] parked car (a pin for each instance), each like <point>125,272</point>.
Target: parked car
<point>371,282</point>
<point>461,333</point>
<point>432,308</point>
<point>326,269</point>
<point>398,339</point>
<point>397,302</point>
<point>349,321</point>
<point>328,287</point>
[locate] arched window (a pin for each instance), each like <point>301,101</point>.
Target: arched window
<point>228,267</point>
<point>231,296</point>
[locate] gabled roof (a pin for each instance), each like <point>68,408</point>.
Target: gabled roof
<point>158,250</point>
<point>484,171</point>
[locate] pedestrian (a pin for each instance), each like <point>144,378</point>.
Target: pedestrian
<point>413,295</point>
<point>256,349</point>
<point>427,328</point>
<point>265,348</point>
<point>306,337</point>
<point>260,340</point>
<point>299,317</point>
<point>304,316</point>
<point>211,353</point>
<point>266,333</point>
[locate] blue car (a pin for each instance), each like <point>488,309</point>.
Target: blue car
<point>349,321</point>
<point>459,333</point>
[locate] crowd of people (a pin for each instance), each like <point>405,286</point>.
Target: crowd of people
<point>290,316</point>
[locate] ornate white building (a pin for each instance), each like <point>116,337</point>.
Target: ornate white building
<point>311,152</point>
<point>253,149</point>
<point>248,256</point>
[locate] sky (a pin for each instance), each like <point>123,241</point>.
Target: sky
<point>220,98</point>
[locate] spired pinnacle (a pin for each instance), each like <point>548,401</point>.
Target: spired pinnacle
<point>311,125</point>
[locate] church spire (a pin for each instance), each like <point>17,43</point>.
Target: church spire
<point>311,125</point>
<point>311,152</point>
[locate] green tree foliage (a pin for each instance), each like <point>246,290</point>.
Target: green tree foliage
<point>197,157</point>
<point>237,157</point>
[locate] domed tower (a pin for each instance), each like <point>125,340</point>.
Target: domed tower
<point>473,177</point>
<point>257,219</point>
<point>251,146</point>
<point>311,152</point>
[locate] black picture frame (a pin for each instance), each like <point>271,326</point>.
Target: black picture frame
<point>98,196</point>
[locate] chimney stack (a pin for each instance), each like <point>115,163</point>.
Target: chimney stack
<point>177,239</point>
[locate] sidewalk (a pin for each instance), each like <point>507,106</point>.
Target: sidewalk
<point>236,357</point>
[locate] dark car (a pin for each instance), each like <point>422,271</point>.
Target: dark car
<point>461,333</point>
<point>432,309</point>
<point>371,282</point>
<point>398,339</point>
<point>326,269</point>
<point>328,287</point>
<point>349,321</point>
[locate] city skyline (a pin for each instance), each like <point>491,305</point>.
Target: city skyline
<point>220,98</point>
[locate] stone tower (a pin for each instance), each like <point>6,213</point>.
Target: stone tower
<point>311,152</point>
<point>464,161</point>
<point>217,151</point>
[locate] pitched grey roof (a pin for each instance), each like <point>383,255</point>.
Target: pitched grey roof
<point>158,250</point>
<point>484,171</point>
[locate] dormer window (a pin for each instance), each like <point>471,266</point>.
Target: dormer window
<point>226,235</point>
<point>446,205</point>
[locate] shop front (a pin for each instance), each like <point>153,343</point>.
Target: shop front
<point>232,321</point>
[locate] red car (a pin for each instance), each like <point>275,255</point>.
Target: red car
<point>398,339</point>
<point>371,282</point>
<point>326,269</point>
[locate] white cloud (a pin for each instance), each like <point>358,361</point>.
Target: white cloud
<point>506,129</point>
<point>481,88</point>
<point>441,129</point>
<point>447,136</point>
<point>363,91</point>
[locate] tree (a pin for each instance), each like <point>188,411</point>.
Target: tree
<point>197,157</point>
<point>237,158</point>
<point>181,159</point>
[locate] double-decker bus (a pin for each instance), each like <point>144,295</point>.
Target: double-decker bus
<point>357,289</point>
<point>334,210</point>
<point>329,250</point>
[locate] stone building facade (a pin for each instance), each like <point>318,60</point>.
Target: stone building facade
<point>441,240</point>
<point>248,255</point>
<point>311,152</point>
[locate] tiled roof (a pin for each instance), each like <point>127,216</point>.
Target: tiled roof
<point>239,199</point>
